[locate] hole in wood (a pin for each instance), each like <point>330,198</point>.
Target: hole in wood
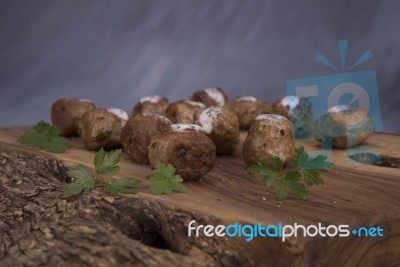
<point>137,225</point>
<point>376,159</point>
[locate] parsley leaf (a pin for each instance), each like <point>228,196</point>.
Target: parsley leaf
<point>317,163</point>
<point>82,180</point>
<point>289,181</point>
<point>46,137</point>
<point>41,127</point>
<point>268,172</point>
<point>298,150</point>
<point>311,169</point>
<point>164,181</point>
<point>121,186</point>
<point>106,164</point>
<point>56,144</point>
<point>312,177</point>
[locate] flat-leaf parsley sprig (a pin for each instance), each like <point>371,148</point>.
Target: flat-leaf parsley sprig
<point>165,181</point>
<point>289,181</point>
<point>105,164</point>
<point>45,137</point>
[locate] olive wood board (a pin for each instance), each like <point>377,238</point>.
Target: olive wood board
<point>354,194</point>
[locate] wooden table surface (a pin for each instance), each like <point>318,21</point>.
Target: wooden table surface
<point>354,194</point>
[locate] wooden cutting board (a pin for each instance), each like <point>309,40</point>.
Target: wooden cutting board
<point>359,195</point>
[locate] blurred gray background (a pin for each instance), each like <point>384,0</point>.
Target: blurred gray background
<point>115,52</point>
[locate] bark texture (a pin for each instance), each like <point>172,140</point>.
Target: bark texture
<point>38,227</point>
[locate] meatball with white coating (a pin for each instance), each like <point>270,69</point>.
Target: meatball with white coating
<point>211,97</point>
<point>299,111</point>
<point>153,103</point>
<point>182,111</point>
<point>270,135</point>
<point>102,128</point>
<point>344,126</point>
<point>186,147</point>
<point>222,126</point>
<point>248,108</point>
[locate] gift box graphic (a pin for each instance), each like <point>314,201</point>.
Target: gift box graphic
<point>354,88</point>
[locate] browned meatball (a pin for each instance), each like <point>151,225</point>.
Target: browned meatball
<point>247,108</point>
<point>270,135</point>
<point>344,126</point>
<point>300,112</point>
<point>186,147</point>
<point>102,128</point>
<point>66,112</point>
<point>278,108</point>
<point>222,126</point>
<point>211,97</point>
<point>183,111</point>
<point>154,103</point>
<point>137,132</point>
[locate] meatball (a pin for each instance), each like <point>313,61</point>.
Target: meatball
<point>183,111</point>
<point>222,126</point>
<point>155,104</point>
<point>248,108</point>
<point>270,135</point>
<point>299,111</point>
<point>343,126</point>
<point>211,97</point>
<point>102,128</point>
<point>66,112</point>
<point>137,132</point>
<point>186,147</point>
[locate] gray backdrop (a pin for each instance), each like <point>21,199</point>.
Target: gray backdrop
<point>115,52</point>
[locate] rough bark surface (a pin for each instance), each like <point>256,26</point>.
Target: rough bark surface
<point>38,227</point>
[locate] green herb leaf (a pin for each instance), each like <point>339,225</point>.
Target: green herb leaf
<point>32,139</point>
<point>54,130</point>
<point>72,190</point>
<point>311,169</point>
<point>82,180</point>
<point>317,163</point>
<point>267,172</point>
<point>164,181</point>
<point>312,177</point>
<point>56,144</point>
<point>121,186</point>
<point>41,127</point>
<point>289,181</point>
<point>106,164</point>
<point>45,137</point>
<point>299,150</point>
<point>99,159</point>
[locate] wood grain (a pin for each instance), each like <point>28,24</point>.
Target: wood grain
<point>353,194</point>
